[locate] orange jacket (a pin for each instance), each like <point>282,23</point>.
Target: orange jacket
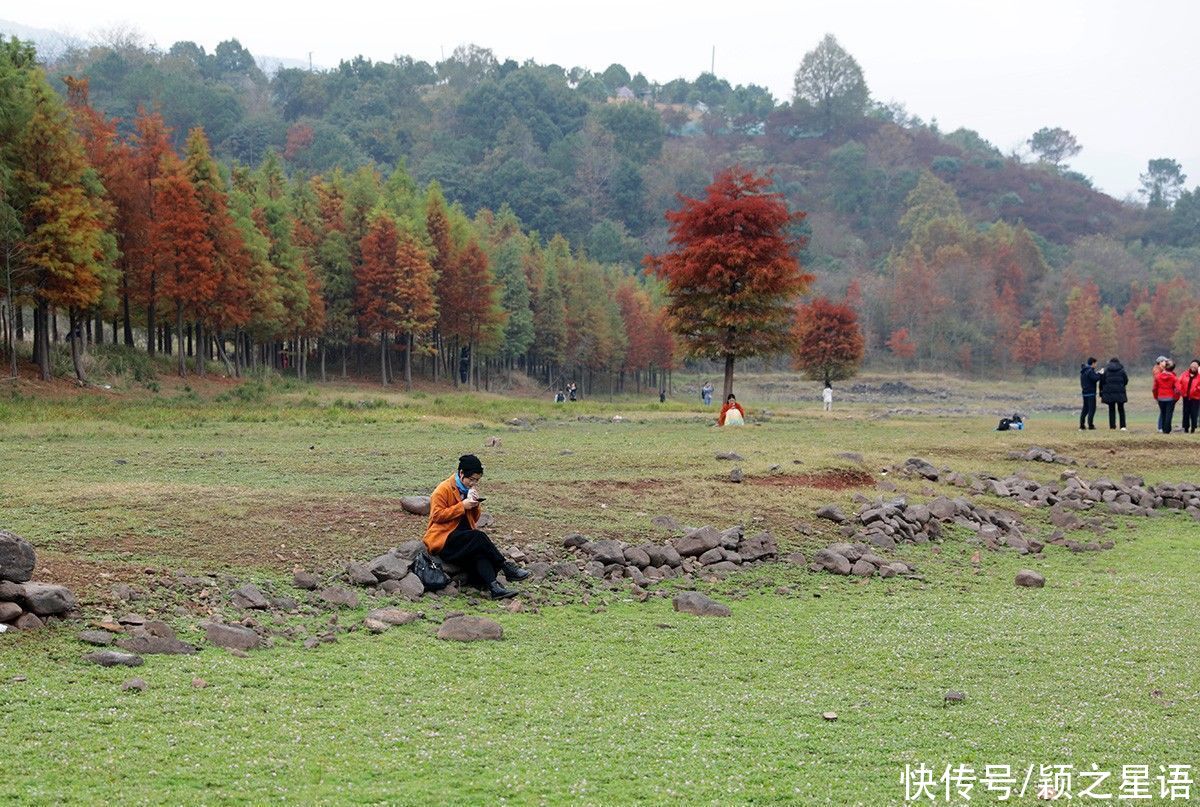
<point>726,408</point>
<point>445,511</point>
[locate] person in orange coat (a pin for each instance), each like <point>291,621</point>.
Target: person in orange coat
<point>732,413</point>
<point>454,510</point>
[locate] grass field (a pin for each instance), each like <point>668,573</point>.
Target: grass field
<point>593,697</point>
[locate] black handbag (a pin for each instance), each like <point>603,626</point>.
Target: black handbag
<point>429,570</point>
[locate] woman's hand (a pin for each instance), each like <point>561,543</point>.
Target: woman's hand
<point>470,504</point>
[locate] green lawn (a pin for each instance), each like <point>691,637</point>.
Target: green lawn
<point>592,698</point>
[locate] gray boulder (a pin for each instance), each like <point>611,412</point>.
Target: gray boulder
<point>470,629</point>
<point>17,557</point>
<point>831,561</point>
<point>758,547</point>
<point>360,575</point>
<point>693,602</point>
<point>697,542</point>
<point>45,599</point>
<point>638,557</point>
<point>231,637</point>
<point>249,596</point>
<point>1028,578</point>
<point>336,595</point>
<point>412,587</point>
<point>392,616</point>
<point>114,658</point>
<point>97,638</point>
<point>9,611</point>
<point>831,512</point>
<point>389,566</point>
<point>306,581</point>
<point>606,552</point>
<point>417,505</point>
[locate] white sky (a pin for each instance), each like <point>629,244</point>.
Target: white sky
<point>1124,77</point>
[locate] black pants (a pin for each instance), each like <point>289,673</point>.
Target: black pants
<point>475,553</point>
<point>1191,413</point>
<point>1088,413</point>
<point>1166,411</point>
<point>1113,408</point>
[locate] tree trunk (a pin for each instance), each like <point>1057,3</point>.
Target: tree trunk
<point>201,348</point>
<point>728,378</point>
<point>472,379</point>
<point>222,355</point>
<point>322,346</point>
<point>408,349</point>
<point>76,334</point>
<point>128,323</point>
<point>151,325</point>
<point>41,338</point>
<point>181,361</point>
<point>383,358</point>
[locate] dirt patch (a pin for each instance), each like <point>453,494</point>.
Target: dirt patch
<point>634,485</point>
<point>833,479</point>
<point>90,579</point>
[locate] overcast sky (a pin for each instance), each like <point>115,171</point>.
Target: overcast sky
<point>1124,77</point>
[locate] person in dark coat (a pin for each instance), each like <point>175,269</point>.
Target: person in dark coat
<point>1088,379</point>
<point>1112,391</point>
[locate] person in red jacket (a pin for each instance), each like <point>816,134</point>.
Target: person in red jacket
<point>732,413</point>
<point>1166,392</point>
<point>1189,392</point>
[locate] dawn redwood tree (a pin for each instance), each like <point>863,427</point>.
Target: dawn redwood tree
<point>1028,348</point>
<point>151,143</point>
<point>414,311</point>
<point>829,343</point>
<point>901,346</point>
<point>732,276</point>
<point>377,281</point>
<point>186,269</point>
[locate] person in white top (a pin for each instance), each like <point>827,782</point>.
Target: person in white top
<point>827,397</point>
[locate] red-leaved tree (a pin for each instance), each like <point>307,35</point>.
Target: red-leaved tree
<point>901,346</point>
<point>732,276</point>
<point>829,343</point>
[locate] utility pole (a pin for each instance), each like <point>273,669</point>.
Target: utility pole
<point>712,67</point>
<point>310,61</point>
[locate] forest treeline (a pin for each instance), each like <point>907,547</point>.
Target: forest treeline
<point>954,254</point>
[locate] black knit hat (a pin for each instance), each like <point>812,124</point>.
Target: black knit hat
<point>469,465</point>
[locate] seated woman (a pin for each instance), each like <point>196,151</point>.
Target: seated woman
<point>732,413</point>
<point>454,510</point>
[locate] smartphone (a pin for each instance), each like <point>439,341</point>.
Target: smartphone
<point>481,498</point>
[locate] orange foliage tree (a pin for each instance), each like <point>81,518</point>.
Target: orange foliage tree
<point>828,341</point>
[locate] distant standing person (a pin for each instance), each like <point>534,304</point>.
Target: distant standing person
<point>732,413</point>
<point>1112,391</point>
<point>1189,391</point>
<point>1089,378</point>
<point>1159,364</point>
<point>662,396</point>
<point>706,393</point>
<point>1166,392</point>
<point>572,394</point>
<point>827,398</point>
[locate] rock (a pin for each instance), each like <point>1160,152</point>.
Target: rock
<point>943,508</point>
<point>565,569</point>
<point>573,540</point>
<point>736,475</point>
<point>831,561</point>
<point>360,575</point>
<point>147,644</point>
<point>336,595</point>
<point>306,581</point>
<point>712,556</point>
<point>134,685</point>
<point>922,468</point>
<point>99,638</point>
<point>45,599</point>
<point>114,658</point>
<point>249,596</point>
<point>389,566</point>
<point>231,637</point>
<point>954,696</point>
<point>392,616</point>
<point>470,629</point>
<point>411,587</point>
<point>9,611</point>
<point>9,591</point>
<point>417,505</point>
<point>606,552</point>
<point>732,456</point>
<point>1029,579</point>
<point>17,557</point>
<point>796,558</point>
<point>697,542</point>
<point>831,512</point>
<point>758,547</point>
<point>852,456</point>
<point>199,683</point>
<point>28,622</point>
<point>374,625</point>
<point>286,604</point>
<point>539,570</point>
<point>638,557</point>
<point>666,523</point>
<point>830,716</point>
<point>693,602</point>
<point>311,642</point>
<point>862,568</point>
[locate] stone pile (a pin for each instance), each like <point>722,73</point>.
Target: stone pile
<point>1129,497</point>
<point>390,572</point>
<point>860,560</point>
<point>705,550</point>
<point>24,603</point>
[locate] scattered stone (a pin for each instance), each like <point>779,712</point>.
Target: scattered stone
<point>134,685</point>
<point>470,629</point>
<point>731,456</point>
<point>831,512</point>
<point>419,505</point>
<point>693,602</point>
<point>392,616</point>
<point>666,523</point>
<point>99,638</point>
<point>149,644</point>
<point>113,658</point>
<point>28,622</point>
<point>830,716</point>
<point>389,566</point>
<point>606,552</point>
<point>697,542</point>
<point>9,611</point>
<point>954,696</point>
<point>336,595</point>
<point>199,683</point>
<point>1029,579</point>
<point>411,587</point>
<point>249,597</point>
<point>231,637</point>
<point>45,599</point>
<point>17,558</point>
<point>736,475</point>
<point>375,625</point>
<point>573,540</point>
<point>306,581</point>
<point>360,575</point>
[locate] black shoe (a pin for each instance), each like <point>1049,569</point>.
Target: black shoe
<point>1092,427</point>
<point>499,592</point>
<point>514,572</point>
